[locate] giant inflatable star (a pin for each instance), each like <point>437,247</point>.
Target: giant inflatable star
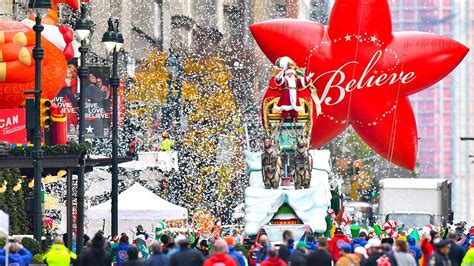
<point>364,73</point>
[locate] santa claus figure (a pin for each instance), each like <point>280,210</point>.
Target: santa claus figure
<point>290,82</point>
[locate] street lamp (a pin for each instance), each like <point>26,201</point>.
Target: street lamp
<point>172,111</point>
<point>113,42</point>
<point>39,8</point>
<point>82,30</point>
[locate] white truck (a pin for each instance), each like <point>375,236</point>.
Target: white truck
<point>415,201</point>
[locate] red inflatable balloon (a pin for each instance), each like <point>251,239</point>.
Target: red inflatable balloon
<point>364,73</point>
<point>17,66</point>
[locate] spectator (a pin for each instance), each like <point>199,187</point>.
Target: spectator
<point>236,236</point>
<point>132,257</point>
<point>273,259</point>
<point>321,256</point>
<point>401,254</point>
<point>58,254</point>
<point>262,252</point>
<point>219,256</point>
<point>121,251</point>
<point>96,255</point>
<point>359,241</point>
<point>414,250</point>
<point>336,242</point>
<point>234,253</point>
<point>427,245</point>
<point>456,252</point>
<point>299,257</point>
<point>286,249</point>
<point>469,258</point>
<point>362,253</point>
<point>440,256</point>
<point>348,259</point>
<point>157,257</point>
<point>185,256</point>
<point>18,255</point>
<point>377,255</point>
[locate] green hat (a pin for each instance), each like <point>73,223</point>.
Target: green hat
<point>300,244</point>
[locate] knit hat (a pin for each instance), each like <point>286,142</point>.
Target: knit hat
<point>229,240</point>
<point>347,248</point>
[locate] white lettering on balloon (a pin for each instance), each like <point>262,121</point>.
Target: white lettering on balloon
<point>338,77</point>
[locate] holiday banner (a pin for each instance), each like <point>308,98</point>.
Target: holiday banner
<point>98,95</point>
<point>66,100</point>
<point>12,125</point>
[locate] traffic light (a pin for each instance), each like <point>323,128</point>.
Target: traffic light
<point>45,113</point>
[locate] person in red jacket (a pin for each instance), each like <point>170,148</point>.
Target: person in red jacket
<point>427,245</point>
<point>219,256</point>
<point>273,259</point>
<point>336,243</point>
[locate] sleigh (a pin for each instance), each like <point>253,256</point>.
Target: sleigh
<point>286,134</point>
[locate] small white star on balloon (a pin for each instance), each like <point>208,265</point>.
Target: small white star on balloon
<point>89,129</point>
<point>348,37</point>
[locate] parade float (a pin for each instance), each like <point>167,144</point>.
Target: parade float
<point>353,72</point>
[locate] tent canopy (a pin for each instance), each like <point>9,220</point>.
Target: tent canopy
<point>138,203</point>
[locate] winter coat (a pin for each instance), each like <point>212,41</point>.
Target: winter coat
<point>157,260</point>
<point>298,258</point>
<point>404,258</point>
<point>261,255</point>
<point>121,253</point>
<point>438,259</point>
<point>456,254</point>
<point>274,262</point>
<point>427,249</point>
<point>319,258</point>
<point>220,259</point>
<point>372,260</point>
<point>414,250</point>
<point>358,242</point>
<point>95,257</point>
<point>21,258</point>
<point>335,245</point>
<point>349,260</point>
<point>186,257</point>
<point>236,255</point>
<point>468,259</point>
<point>285,251</point>
<point>59,255</point>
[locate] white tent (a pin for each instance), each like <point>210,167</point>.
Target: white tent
<point>137,205</point>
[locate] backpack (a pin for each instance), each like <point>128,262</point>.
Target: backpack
<point>384,260</point>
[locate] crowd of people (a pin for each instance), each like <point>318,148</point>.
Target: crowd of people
<point>436,248</point>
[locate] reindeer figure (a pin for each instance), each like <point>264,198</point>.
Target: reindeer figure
<point>302,163</point>
<point>271,163</point>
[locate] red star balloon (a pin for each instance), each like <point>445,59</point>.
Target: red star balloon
<point>364,72</point>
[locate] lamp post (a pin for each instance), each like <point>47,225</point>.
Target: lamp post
<point>82,30</point>
<point>39,8</point>
<point>113,42</point>
<point>172,111</point>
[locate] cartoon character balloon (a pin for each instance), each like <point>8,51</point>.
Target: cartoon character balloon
<point>364,72</point>
<point>17,68</point>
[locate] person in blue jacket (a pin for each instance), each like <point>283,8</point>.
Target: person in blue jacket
<point>359,241</point>
<point>414,250</point>
<point>17,255</point>
<point>262,252</point>
<point>121,251</point>
<point>310,240</point>
<point>234,253</point>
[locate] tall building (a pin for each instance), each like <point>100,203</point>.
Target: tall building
<point>443,112</point>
